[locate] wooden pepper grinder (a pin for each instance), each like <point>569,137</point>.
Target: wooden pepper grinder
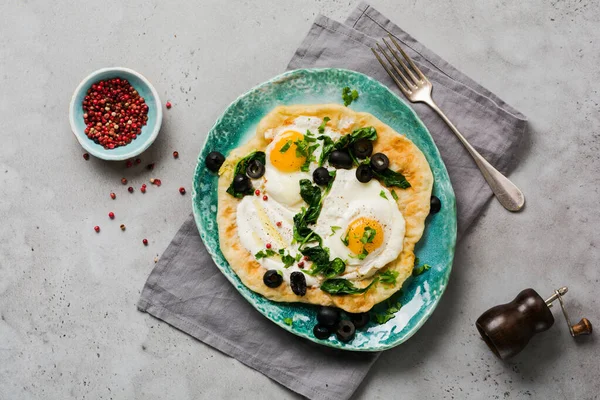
<point>507,328</point>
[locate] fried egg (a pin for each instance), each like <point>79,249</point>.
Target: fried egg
<point>361,224</point>
<point>284,161</point>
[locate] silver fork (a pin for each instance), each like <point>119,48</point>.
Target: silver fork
<point>417,88</point>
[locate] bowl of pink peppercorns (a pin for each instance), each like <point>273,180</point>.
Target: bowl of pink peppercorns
<point>115,113</point>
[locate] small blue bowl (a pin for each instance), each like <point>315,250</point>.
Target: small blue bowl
<point>149,131</point>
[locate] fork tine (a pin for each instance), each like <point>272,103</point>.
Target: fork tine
<point>412,76</point>
<point>410,61</point>
<point>391,74</point>
<point>408,83</point>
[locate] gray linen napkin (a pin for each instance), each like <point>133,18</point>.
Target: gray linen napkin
<point>186,290</point>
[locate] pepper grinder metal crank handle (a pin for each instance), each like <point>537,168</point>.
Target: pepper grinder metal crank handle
<point>583,327</point>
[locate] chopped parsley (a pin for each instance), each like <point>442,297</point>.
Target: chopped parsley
<point>421,269</point>
<point>389,313</point>
<point>394,195</point>
<point>349,96</point>
<point>306,150</point>
<point>322,126</point>
<point>343,286</point>
<point>382,194</point>
<point>287,260</point>
<point>363,254</point>
<point>241,167</point>
<point>388,277</point>
<point>264,254</point>
<point>346,239</point>
<point>334,229</point>
<point>286,146</point>
<point>368,235</point>
<point>288,321</point>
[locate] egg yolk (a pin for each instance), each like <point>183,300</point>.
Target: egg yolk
<point>364,233</point>
<point>283,155</point>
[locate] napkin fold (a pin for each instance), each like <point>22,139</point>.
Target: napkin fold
<point>188,291</point>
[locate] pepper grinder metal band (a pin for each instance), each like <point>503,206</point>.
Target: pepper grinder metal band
<point>507,328</point>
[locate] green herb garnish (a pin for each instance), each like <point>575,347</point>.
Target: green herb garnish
<point>287,260</point>
<point>343,286</point>
<point>241,167</point>
<point>368,235</point>
<point>419,270</point>
<point>346,239</point>
<point>322,126</point>
<point>286,146</point>
<point>363,254</point>
<point>334,229</point>
<point>288,321</point>
<point>349,96</point>
<point>388,277</point>
<point>264,254</point>
<point>394,195</point>
<point>389,313</point>
<point>382,194</point>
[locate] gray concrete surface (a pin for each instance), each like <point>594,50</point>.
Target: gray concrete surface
<point>69,327</point>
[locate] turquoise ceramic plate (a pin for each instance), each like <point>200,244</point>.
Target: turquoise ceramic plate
<point>420,295</point>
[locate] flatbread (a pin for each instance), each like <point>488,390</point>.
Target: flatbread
<point>413,202</point>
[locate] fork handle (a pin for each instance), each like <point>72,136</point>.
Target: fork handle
<point>507,193</point>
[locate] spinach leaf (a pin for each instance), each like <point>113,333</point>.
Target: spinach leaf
<point>343,286</point>
<point>362,133</point>
<point>391,178</point>
<point>310,193</point>
<point>319,257</point>
<point>335,268</point>
<point>327,149</point>
<point>241,168</point>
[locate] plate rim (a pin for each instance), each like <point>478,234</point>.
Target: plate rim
<point>452,245</point>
